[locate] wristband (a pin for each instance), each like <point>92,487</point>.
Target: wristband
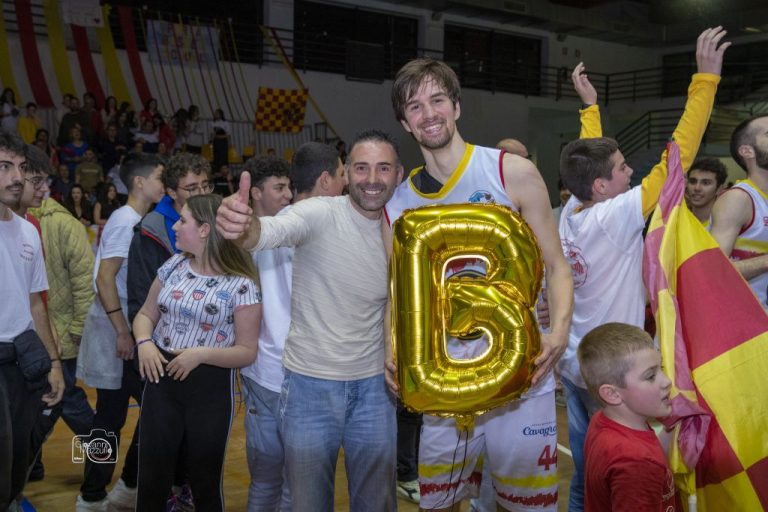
<point>115,310</point>
<point>140,342</point>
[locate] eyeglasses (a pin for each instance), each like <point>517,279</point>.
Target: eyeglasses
<point>203,188</point>
<point>36,181</point>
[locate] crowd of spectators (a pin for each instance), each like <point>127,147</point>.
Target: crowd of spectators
<point>91,140</point>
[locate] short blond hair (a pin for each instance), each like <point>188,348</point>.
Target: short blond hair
<point>604,354</point>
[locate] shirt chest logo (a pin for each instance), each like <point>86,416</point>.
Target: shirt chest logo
<point>481,196</point>
<point>27,252</point>
<point>579,267</point>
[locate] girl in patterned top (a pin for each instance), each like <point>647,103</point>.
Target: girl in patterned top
<point>199,323</point>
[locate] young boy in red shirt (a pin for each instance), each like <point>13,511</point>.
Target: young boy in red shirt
<point>626,467</point>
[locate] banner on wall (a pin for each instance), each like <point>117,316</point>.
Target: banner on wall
<point>86,13</point>
<point>175,43</point>
<point>281,110</point>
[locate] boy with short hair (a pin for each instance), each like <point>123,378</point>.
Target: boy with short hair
<point>626,468</point>
<point>703,184</point>
<point>154,240</point>
<point>107,345</point>
<point>23,281</point>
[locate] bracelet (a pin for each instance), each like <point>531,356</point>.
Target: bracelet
<point>115,310</point>
<point>55,359</point>
<point>140,342</point>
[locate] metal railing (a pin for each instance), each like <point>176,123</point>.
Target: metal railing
<point>743,82</point>
<point>654,128</point>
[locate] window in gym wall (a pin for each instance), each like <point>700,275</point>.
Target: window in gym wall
<point>485,59</point>
<point>362,44</point>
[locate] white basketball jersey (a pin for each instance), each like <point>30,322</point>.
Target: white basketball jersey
<point>753,239</point>
<point>477,179</point>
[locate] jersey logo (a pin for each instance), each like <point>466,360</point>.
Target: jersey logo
<point>481,196</point>
<point>177,294</point>
<point>579,267</point>
<point>221,336</point>
<point>198,294</point>
<point>223,295</point>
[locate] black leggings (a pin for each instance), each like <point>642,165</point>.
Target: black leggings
<point>192,417</point>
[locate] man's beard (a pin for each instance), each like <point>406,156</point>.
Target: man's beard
<point>761,157</point>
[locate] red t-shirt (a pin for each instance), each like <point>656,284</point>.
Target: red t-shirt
<point>626,469</point>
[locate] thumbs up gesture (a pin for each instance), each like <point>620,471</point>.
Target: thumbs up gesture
<point>234,217</point>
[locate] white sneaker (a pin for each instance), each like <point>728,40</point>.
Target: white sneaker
<point>90,506</point>
<point>121,496</point>
<point>409,491</point>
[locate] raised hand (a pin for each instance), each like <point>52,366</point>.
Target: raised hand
<point>234,216</point>
<point>583,86</point>
<point>709,57</point>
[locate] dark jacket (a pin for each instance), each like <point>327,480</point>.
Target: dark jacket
<point>152,244</point>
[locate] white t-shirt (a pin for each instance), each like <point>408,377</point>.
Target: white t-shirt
<point>339,288</point>
<point>275,269</point>
<point>753,240</point>
<point>604,246</point>
<point>223,126</point>
<point>115,242</point>
<point>23,272</point>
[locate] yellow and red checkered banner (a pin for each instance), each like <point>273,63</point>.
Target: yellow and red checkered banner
<point>281,110</point>
<point>713,336</point>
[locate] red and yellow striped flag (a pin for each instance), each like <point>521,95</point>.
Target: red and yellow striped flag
<point>713,336</point>
<point>281,110</point>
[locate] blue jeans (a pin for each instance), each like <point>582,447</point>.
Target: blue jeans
<point>318,417</point>
<point>75,409</point>
<point>580,406</point>
<point>264,449</point>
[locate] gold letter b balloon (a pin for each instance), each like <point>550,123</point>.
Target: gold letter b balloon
<point>428,309</point>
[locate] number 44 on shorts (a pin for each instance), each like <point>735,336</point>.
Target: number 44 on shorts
<point>548,457</point>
